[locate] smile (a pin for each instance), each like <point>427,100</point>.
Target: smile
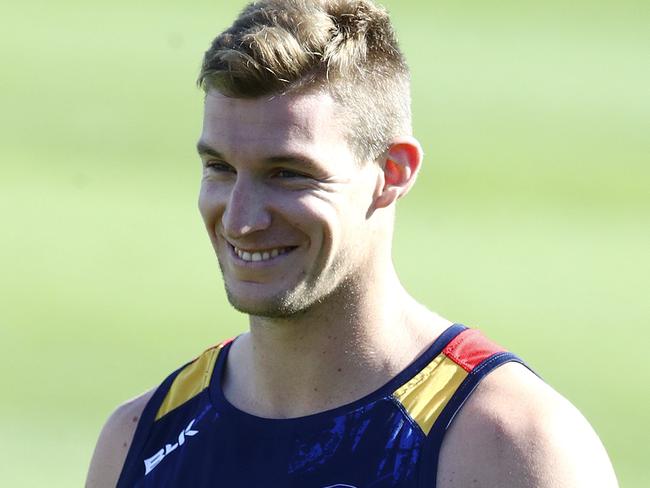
<point>265,255</point>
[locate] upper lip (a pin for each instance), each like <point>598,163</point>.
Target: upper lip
<point>260,249</point>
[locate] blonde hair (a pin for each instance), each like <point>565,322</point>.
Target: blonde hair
<point>347,47</point>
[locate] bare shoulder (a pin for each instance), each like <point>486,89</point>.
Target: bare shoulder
<point>114,442</point>
<point>516,431</point>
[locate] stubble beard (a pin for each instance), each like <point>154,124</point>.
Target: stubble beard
<point>283,305</point>
<point>298,301</point>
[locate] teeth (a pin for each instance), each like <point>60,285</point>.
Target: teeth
<point>260,255</point>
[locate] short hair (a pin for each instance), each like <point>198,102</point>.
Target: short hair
<point>347,47</point>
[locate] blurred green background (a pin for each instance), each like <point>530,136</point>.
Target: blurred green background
<point>530,219</point>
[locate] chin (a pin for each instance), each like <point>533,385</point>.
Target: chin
<point>282,306</point>
<point>288,303</point>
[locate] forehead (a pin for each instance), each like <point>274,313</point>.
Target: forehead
<point>250,128</point>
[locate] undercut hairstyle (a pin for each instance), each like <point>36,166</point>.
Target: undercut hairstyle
<point>346,47</point>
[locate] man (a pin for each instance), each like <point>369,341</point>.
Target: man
<point>343,380</point>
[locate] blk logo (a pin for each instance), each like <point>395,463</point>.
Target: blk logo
<point>156,459</point>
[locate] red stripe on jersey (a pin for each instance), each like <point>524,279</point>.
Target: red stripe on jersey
<point>470,348</point>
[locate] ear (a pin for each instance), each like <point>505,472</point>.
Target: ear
<point>400,167</point>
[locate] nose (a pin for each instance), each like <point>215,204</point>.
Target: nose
<point>246,209</point>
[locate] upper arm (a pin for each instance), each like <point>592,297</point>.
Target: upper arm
<point>515,431</point>
<point>114,443</point>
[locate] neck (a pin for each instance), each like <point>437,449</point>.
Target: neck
<point>337,352</point>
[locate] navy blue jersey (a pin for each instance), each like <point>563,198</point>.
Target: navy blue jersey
<point>189,435</point>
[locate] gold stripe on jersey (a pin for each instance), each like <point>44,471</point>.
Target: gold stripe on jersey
<point>192,380</point>
<point>426,394</point>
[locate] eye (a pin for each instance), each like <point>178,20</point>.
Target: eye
<point>219,166</point>
<point>288,173</point>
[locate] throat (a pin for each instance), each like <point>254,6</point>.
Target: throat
<point>296,379</point>
<point>299,382</point>
<point>327,358</point>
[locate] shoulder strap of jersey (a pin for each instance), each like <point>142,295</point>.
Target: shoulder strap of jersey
<point>179,387</point>
<point>435,395</point>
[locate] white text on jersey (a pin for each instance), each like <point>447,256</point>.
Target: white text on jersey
<point>153,461</point>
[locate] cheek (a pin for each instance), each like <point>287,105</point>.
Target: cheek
<point>353,218</point>
<point>211,204</point>
<point>313,215</point>
<point>334,223</point>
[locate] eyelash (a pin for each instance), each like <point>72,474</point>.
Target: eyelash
<point>220,166</point>
<point>289,174</point>
<point>225,167</point>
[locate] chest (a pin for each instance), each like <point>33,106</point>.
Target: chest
<point>374,446</point>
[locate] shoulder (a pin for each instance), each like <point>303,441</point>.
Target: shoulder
<point>517,431</point>
<point>114,442</point>
<point>117,434</point>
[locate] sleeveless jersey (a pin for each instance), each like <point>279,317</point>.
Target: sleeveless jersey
<point>189,435</point>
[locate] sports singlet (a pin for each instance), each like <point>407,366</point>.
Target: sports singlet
<point>189,435</point>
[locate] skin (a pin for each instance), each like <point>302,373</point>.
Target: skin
<point>278,174</point>
<point>327,212</point>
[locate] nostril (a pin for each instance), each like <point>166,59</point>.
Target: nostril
<point>241,220</point>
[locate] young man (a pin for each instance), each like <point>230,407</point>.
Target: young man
<point>343,380</point>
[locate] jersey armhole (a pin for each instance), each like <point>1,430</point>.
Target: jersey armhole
<point>431,451</point>
<point>144,427</point>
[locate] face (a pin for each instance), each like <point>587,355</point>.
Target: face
<point>284,201</point>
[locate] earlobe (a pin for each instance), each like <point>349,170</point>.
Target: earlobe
<point>400,168</point>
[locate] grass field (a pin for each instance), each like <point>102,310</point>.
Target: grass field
<point>531,218</point>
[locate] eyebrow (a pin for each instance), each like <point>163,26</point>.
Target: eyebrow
<point>203,148</point>
<point>293,159</point>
